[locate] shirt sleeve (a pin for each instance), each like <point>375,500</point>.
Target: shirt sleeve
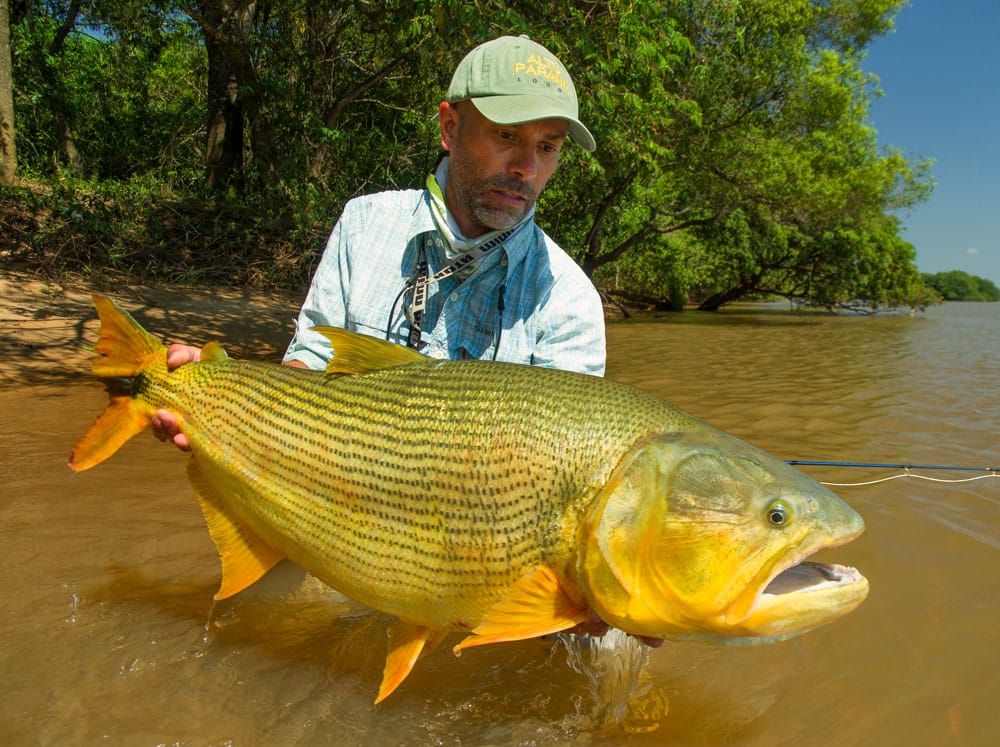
<point>325,304</point>
<point>571,330</point>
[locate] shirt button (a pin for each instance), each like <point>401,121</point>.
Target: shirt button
<point>453,296</point>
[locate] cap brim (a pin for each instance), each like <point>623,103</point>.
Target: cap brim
<point>518,109</point>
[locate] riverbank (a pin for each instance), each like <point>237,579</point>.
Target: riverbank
<point>50,326</point>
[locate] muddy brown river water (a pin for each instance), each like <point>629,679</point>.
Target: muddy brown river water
<point>108,633</point>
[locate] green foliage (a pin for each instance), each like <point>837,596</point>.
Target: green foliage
<point>134,106</point>
<point>735,156</point>
<point>140,230</point>
<point>960,286</point>
<point>659,278</point>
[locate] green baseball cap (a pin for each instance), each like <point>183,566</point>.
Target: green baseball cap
<point>513,79</point>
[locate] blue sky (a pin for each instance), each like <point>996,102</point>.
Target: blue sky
<point>939,71</point>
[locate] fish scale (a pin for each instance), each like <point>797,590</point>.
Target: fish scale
<point>388,512</point>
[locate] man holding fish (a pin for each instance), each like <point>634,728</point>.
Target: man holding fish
<point>502,502</point>
<point>460,269</point>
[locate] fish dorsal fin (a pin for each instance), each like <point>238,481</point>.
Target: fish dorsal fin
<point>245,557</point>
<point>539,603</point>
<point>407,643</point>
<point>213,351</point>
<point>359,354</point>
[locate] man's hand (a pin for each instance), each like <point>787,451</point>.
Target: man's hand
<point>178,355</point>
<point>165,426</point>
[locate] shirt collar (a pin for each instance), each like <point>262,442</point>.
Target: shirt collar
<point>516,247</point>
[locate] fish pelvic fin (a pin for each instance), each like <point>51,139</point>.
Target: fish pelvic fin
<point>123,349</point>
<point>407,643</point>
<point>540,603</point>
<point>359,354</point>
<point>245,557</point>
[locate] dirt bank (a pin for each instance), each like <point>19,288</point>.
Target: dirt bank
<point>49,327</point>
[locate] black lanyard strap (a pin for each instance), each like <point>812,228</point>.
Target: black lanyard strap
<point>420,282</point>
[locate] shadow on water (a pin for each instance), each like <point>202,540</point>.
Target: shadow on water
<point>290,627</point>
<point>287,617</point>
<point>289,623</point>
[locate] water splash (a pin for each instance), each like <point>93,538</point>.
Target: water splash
<point>619,684</point>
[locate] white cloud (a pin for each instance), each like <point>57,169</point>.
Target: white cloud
<point>972,250</point>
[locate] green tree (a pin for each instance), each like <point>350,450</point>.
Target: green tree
<point>143,67</point>
<point>48,38</point>
<point>957,285</point>
<point>718,108</point>
<point>734,153</point>
<point>8,145</point>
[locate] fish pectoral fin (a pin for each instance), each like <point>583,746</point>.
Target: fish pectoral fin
<point>407,643</point>
<point>540,603</point>
<point>245,557</point>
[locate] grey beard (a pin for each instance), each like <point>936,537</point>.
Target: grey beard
<point>500,218</point>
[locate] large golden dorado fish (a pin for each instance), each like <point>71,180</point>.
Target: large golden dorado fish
<point>500,500</point>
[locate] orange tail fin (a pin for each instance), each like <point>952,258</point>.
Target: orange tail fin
<point>124,350</point>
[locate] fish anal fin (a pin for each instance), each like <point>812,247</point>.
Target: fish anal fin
<point>245,557</point>
<point>540,603</point>
<point>358,354</point>
<point>122,419</point>
<point>407,643</point>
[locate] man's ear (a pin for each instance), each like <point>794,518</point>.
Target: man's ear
<point>448,117</point>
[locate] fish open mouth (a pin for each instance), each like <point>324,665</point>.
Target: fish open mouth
<point>810,576</point>
<point>801,597</point>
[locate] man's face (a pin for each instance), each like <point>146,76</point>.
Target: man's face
<point>495,172</point>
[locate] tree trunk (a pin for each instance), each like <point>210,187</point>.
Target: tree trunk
<point>718,300</point>
<point>224,146</point>
<point>54,93</point>
<point>333,112</point>
<point>8,152</point>
<point>231,80</point>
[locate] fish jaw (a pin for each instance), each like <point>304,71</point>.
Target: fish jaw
<point>700,534</point>
<point>801,598</point>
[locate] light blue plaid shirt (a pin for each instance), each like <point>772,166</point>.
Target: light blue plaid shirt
<point>550,313</point>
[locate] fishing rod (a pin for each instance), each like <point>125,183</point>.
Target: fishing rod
<point>878,465</point>
<point>988,472</point>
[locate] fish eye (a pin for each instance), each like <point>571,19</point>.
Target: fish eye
<point>777,514</point>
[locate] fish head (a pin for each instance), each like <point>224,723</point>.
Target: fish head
<point>698,533</point>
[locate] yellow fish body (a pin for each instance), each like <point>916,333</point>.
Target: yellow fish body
<point>501,500</point>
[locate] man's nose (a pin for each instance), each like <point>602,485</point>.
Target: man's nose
<point>523,162</point>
